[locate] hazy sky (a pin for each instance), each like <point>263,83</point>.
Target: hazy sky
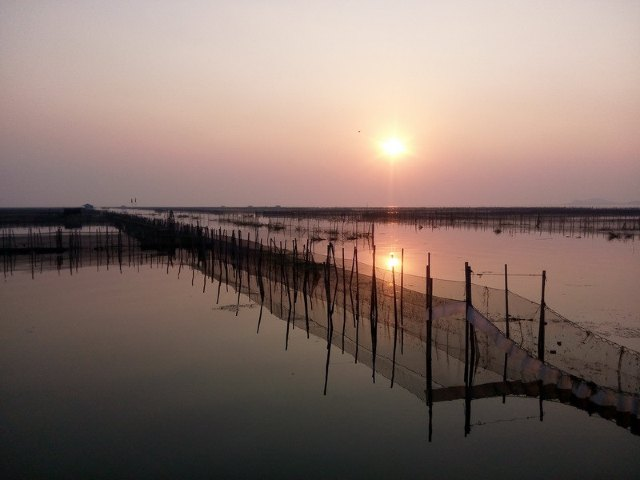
<point>261,102</point>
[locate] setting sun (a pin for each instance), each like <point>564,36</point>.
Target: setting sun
<point>393,147</point>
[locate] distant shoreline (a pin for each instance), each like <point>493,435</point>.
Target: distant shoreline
<point>612,222</point>
<point>410,214</point>
<point>378,212</point>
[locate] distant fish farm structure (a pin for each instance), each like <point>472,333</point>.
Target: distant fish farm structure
<point>612,222</point>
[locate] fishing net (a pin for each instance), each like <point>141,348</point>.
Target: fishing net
<point>365,311</point>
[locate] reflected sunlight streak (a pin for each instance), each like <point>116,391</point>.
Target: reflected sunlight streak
<point>393,262</point>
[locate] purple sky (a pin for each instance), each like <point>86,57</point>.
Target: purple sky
<point>261,103</point>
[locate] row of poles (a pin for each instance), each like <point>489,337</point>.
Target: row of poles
<point>239,256</point>
<point>54,245</point>
<point>230,249</point>
<point>233,250</point>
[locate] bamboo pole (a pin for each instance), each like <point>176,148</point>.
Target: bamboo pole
<point>507,328</point>
<point>305,277</point>
<point>395,328</point>
<point>542,321</point>
<point>373,312</point>
<point>468,304</point>
<point>358,303</point>
<point>402,328</point>
<point>261,287</point>
<point>344,300</point>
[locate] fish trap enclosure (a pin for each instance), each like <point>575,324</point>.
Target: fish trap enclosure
<point>439,339</point>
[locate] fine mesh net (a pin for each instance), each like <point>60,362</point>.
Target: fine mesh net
<point>493,363</point>
<point>368,302</point>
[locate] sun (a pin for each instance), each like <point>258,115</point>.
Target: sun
<point>393,147</point>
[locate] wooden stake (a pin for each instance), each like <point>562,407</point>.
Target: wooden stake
<point>373,312</point>
<point>402,329</point>
<point>358,303</point>
<point>542,321</point>
<point>344,301</point>
<point>395,327</point>
<point>468,305</point>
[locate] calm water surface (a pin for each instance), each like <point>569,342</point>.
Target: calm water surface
<point>591,280</point>
<point>140,374</point>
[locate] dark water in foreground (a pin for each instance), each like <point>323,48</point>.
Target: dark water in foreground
<point>141,374</point>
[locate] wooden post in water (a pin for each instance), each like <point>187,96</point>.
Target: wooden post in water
<point>542,343</point>
<point>395,327</point>
<point>305,276</point>
<point>271,262</point>
<point>226,240</point>
<point>428,343</point>
<point>261,287</point>
<point>469,345</point>
<point>247,263</point>
<point>328,292</point>
<point>431,301</point>
<point>402,329</point>
<point>468,304</point>
<point>373,312</point>
<point>294,280</point>
<point>542,321</point>
<point>358,303</point>
<point>507,328</point>
<point>344,301</point>
<point>330,325</point>
<point>238,285</point>
<point>507,310</point>
<point>429,353</point>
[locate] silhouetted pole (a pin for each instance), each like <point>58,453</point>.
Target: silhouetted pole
<point>507,311</point>
<point>469,344</point>
<point>507,328</point>
<point>428,344</point>
<point>358,303</point>
<point>542,342</point>
<point>344,300</point>
<point>395,327</point>
<point>373,312</point>
<point>305,277</point>
<point>330,325</point>
<point>542,321</point>
<point>468,304</point>
<point>261,287</point>
<point>402,329</point>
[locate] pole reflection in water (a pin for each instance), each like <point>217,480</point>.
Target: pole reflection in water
<point>469,347</point>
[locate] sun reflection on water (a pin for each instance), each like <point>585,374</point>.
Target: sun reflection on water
<point>392,262</point>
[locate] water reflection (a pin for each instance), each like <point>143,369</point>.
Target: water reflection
<point>528,240</point>
<point>449,350</point>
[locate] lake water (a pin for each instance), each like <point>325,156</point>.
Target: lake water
<point>148,370</point>
<point>134,371</point>
<point>590,279</point>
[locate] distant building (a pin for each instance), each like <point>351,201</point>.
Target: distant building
<point>88,206</point>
